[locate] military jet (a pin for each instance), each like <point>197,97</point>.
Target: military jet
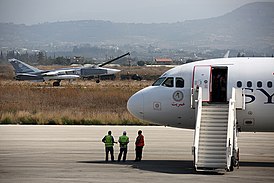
<point>24,72</point>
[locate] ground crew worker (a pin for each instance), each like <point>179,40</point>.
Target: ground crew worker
<point>140,142</point>
<point>123,140</point>
<point>109,142</point>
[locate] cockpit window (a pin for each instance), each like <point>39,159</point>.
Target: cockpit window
<point>180,83</point>
<point>159,81</point>
<point>168,82</point>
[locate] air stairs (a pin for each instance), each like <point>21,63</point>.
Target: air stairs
<point>213,135</point>
<point>215,141</point>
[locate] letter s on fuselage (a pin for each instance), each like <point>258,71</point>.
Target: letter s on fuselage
<point>168,100</point>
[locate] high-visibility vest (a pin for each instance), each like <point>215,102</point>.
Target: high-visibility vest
<point>108,141</point>
<point>140,140</point>
<point>123,140</point>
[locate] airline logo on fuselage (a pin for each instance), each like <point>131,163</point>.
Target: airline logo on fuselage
<point>178,96</point>
<point>268,96</point>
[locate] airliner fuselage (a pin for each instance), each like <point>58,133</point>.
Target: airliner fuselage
<point>168,100</point>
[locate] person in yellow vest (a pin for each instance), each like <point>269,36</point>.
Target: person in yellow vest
<point>123,140</point>
<point>109,142</point>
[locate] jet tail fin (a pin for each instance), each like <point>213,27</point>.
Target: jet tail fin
<point>21,67</point>
<point>227,54</point>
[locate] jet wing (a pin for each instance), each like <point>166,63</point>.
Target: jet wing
<point>61,77</point>
<point>61,72</point>
<point>105,63</point>
<point>28,76</point>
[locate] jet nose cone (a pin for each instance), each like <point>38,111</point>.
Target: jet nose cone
<point>113,71</point>
<point>135,105</point>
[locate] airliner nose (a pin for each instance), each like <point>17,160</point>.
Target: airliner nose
<point>135,105</point>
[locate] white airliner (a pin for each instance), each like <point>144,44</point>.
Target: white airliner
<point>217,98</point>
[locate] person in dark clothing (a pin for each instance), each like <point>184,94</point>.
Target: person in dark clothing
<point>109,142</point>
<point>139,144</point>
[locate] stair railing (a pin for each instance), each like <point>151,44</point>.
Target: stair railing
<point>231,129</point>
<point>193,98</point>
<point>195,147</point>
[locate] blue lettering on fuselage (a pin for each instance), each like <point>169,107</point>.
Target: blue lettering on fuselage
<point>269,98</point>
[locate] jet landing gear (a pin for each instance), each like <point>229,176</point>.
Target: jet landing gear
<point>97,79</point>
<point>57,83</point>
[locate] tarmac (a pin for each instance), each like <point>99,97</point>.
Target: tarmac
<point>76,154</point>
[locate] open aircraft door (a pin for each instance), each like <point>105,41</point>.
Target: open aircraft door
<point>202,78</point>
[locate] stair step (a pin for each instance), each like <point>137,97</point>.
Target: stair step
<point>211,165</point>
<point>225,106</point>
<point>223,113</point>
<point>213,124</point>
<point>215,109</point>
<point>213,137</point>
<point>211,153</point>
<point>214,116</point>
<point>207,153</point>
<point>209,140</point>
<point>213,120</point>
<point>213,128</point>
<point>216,133</point>
<point>212,143</point>
<point>208,136</point>
<point>204,132</point>
<point>207,159</point>
<point>223,160</point>
<point>213,148</point>
<point>216,119</point>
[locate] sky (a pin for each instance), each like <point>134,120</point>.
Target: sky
<point>127,11</point>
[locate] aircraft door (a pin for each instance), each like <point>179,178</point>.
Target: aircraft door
<point>219,84</point>
<point>202,78</point>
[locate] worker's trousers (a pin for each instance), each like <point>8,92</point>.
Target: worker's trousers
<point>109,149</point>
<point>139,150</point>
<point>122,150</point>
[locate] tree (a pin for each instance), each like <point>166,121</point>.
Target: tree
<point>41,57</point>
<point>140,63</point>
<point>2,56</point>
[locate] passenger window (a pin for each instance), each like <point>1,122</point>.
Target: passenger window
<point>269,84</point>
<point>249,84</point>
<point>168,82</point>
<point>180,83</point>
<point>239,84</point>
<point>159,81</point>
<point>259,84</point>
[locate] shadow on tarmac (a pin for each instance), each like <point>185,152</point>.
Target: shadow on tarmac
<point>173,166</point>
<point>161,166</point>
<point>257,164</point>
